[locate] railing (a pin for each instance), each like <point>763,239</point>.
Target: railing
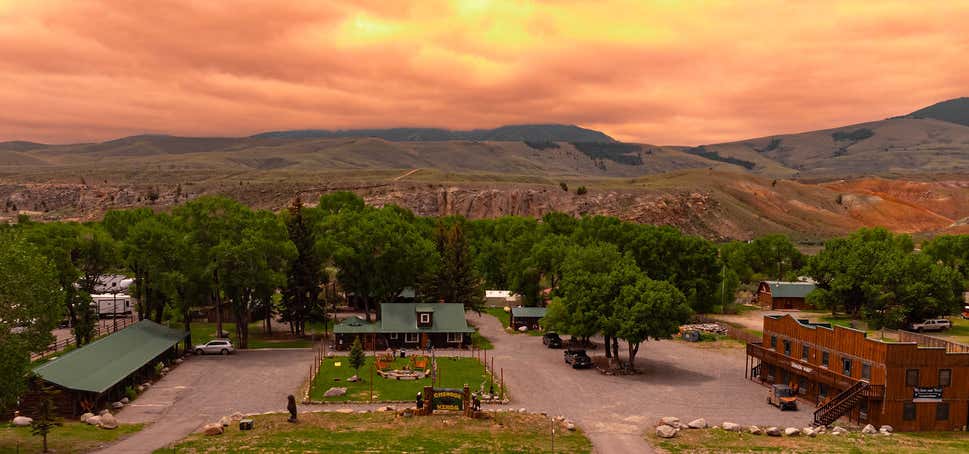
<point>817,373</point>
<point>928,341</point>
<point>835,408</point>
<point>102,329</point>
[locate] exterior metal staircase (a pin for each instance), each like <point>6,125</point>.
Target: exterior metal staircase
<point>841,404</point>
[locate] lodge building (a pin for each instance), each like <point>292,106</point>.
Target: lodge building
<point>777,295</point>
<point>902,384</point>
<point>408,325</point>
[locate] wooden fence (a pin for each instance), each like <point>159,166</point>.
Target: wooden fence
<point>929,341</point>
<point>99,331</point>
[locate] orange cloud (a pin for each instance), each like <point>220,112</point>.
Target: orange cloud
<point>662,71</point>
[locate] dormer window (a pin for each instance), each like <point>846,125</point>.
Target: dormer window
<point>425,318</point>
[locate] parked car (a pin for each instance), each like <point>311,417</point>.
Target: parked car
<point>782,396</point>
<point>577,358</point>
<point>217,346</point>
<point>552,340</point>
<point>932,324</point>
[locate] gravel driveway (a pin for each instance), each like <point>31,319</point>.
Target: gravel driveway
<point>679,380</point>
<point>205,388</point>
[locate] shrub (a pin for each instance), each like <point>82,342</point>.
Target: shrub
<point>857,135</point>
<point>564,186</point>
<point>581,190</point>
<point>542,145</point>
<point>714,156</point>
<point>130,392</point>
<point>158,368</point>
<point>614,151</point>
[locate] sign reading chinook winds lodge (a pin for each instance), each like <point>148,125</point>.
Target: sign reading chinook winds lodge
<point>927,395</point>
<point>448,399</point>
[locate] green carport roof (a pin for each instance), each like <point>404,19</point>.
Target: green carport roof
<point>528,312</point>
<point>98,366</point>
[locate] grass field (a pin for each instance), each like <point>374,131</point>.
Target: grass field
<point>72,437</point>
<point>204,332</point>
<point>500,314</point>
<point>454,373</point>
<point>385,432</point>
<point>720,441</point>
<point>958,333</point>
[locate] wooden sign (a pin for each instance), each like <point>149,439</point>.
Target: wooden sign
<point>448,399</point>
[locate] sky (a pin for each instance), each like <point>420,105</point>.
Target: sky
<point>660,72</point>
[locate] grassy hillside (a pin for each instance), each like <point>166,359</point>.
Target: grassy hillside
<point>953,111</point>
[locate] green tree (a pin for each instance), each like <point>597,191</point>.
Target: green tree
<point>305,275</point>
<point>649,309</point>
<point>453,278</point>
<point>356,357</point>
<point>378,252</point>
<point>951,250</point>
<point>45,419</point>
<point>31,304</point>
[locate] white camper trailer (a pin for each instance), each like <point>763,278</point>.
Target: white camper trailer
<point>109,305</point>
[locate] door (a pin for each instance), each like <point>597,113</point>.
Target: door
<point>425,340</point>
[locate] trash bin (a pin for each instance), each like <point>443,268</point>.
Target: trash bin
<point>245,424</point>
<point>691,336</point>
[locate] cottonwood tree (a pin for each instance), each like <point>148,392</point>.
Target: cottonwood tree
<point>378,252</point>
<point>31,304</point>
<point>649,309</point>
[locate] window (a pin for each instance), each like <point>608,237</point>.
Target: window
<point>410,338</point>
<point>805,352</point>
<point>865,371</point>
<point>911,377</point>
<point>908,411</point>
<point>846,366</point>
<point>825,357</point>
<point>802,385</point>
<point>454,337</point>
<point>773,342</point>
<point>394,336</point>
<point>945,377</point>
<point>787,347</point>
<point>942,411</point>
<point>425,318</point>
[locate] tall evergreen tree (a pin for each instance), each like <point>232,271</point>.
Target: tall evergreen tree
<point>305,271</point>
<point>454,279</point>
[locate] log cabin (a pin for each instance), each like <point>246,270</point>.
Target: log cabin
<point>868,381</point>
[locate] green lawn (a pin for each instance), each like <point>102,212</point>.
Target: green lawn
<point>720,441</point>
<point>386,432</point>
<point>73,437</point>
<point>454,373</point>
<point>204,332</point>
<point>959,331</point>
<point>500,314</point>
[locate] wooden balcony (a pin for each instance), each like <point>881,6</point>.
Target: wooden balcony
<point>812,371</point>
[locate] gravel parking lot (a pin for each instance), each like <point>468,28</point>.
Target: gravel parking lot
<point>679,379</point>
<point>205,388</point>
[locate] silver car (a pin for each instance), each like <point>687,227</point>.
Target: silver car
<point>217,346</point>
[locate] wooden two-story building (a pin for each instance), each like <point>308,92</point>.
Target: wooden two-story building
<point>777,295</point>
<point>902,384</point>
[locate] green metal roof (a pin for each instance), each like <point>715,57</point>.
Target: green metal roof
<point>528,312</point>
<point>790,289</point>
<point>98,366</point>
<point>425,308</point>
<point>402,318</point>
<point>354,325</point>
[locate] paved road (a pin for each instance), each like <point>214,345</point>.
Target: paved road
<point>203,389</point>
<point>679,380</point>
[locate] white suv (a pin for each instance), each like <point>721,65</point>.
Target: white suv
<point>220,346</point>
<point>933,324</point>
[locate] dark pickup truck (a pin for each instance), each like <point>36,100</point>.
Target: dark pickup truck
<point>578,358</point>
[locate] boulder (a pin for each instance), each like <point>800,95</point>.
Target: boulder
<point>569,425</point>
<point>225,421</point>
<point>839,431</point>
<point>141,388</point>
<point>85,416</point>
<point>22,421</point>
<point>792,432</point>
<point>212,429</point>
<point>669,421</point>
<point>237,416</point>
<point>353,379</point>
<point>345,410</point>
<point>731,427</point>
<point>772,432</point>
<point>808,431</point>
<point>522,410</point>
<point>179,360</point>
<point>869,430</point>
<point>335,392</point>
<point>93,420</point>
<point>886,428</point>
<point>698,423</point>
<point>665,431</point>
<point>125,400</point>
<point>117,405</point>
<point>386,408</point>
<point>754,430</point>
<point>108,421</point>
<point>523,328</point>
<point>104,412</point>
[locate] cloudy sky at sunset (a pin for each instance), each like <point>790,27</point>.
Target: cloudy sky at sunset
<point>662,72</point>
